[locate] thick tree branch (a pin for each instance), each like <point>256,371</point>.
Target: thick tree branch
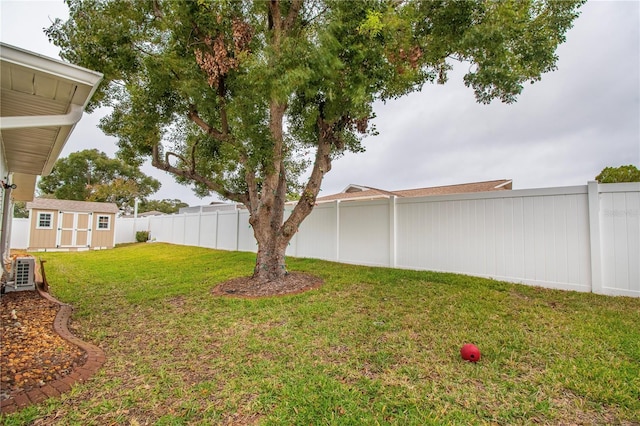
<point>173,154</point>
<point>273,169</point>
<point>308,197</point>
<point>279,25</point>
<point>294,10</point>
<point>210,130</point>
<point>274,13</point>
<point>165,165</point>
<point>157,12</point>
<point>224,121</point>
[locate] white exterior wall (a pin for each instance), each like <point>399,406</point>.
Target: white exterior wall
<point>584,238</point>
<point>4,176</point>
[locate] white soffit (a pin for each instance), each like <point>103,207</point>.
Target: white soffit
<point>25,186</point>
<point>41,100</point>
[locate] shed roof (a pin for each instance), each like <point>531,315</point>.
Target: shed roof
<point>72,205</point>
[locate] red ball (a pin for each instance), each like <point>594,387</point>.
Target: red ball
<point>470,352</point>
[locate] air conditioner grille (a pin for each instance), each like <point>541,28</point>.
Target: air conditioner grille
<point>23,274</point>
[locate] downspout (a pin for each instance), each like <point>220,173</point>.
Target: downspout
<point>6,201</point>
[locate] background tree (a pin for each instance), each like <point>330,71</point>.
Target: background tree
<point>20,209</point>
<point>90,175</point>
<point>164,206</point>
<point>240,97</point>
<point>629,173</point>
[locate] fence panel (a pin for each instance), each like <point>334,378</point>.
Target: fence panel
<point>529,236</point>
<point>364,232</point>
<point>246,240</point>
<point>178,228</point>
<point>19,233</point>
<point>192,229</point>
<point>620,238</point>
<point>161,229</point>
<point>317,235</point>
<point>126,228</point>
<point>208,229</point>
<point>228,230</point>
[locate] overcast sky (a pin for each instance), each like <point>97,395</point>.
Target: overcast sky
<point>562,131</point>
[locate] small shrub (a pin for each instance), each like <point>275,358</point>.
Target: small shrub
<point>142,236</point>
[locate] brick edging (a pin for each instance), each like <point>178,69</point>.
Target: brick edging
<point>95,359</point>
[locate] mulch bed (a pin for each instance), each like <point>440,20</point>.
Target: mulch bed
<point>292,283</point>
<point>32,353</point>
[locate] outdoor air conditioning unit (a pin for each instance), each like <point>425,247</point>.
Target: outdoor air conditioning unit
<point>22,274</point>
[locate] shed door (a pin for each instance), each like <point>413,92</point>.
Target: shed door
<point>74,229</point>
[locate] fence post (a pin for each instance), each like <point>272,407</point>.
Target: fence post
<point>199,226</point>
<point>185,227</point>
<point>392,231</point>
<point>237,229</point>
<point>215,242</point>
<point>337,230</point>
<point>594,236</point>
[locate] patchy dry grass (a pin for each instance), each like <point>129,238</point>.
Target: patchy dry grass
<point>371,346</point>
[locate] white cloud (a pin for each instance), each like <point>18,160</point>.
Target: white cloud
<point>562,131</point>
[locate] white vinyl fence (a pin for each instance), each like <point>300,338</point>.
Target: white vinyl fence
<point>126,228</point>
<point>584,238</point>
<point>19,233</point>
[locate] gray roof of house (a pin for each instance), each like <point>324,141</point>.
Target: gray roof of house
<point>71,205</point>
<point>353,192</point>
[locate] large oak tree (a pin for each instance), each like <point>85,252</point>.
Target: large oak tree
<point>240,97</point>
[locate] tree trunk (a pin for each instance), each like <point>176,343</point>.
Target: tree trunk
<point>270,263</point>
<point>268,227</point>
<point>267,208</point>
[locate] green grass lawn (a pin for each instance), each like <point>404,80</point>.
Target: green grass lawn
<point>371,346</point>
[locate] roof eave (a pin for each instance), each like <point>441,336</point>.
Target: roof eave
<point>79,77</point>
<point>50,66</point>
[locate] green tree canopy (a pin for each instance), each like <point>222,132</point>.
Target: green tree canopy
<point>244,97</point>
<point>90,175</point>
<point>629,173</point>
<point>164,206</point>
<point>20,209</point>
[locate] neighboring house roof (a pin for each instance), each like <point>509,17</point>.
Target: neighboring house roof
<point>359,192</point>
<point>214,206</point>
<point>150,213</point>
<point>71,205</point>
<point>42,100</point>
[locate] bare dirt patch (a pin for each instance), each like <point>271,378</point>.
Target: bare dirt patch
<point>292,283</point>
